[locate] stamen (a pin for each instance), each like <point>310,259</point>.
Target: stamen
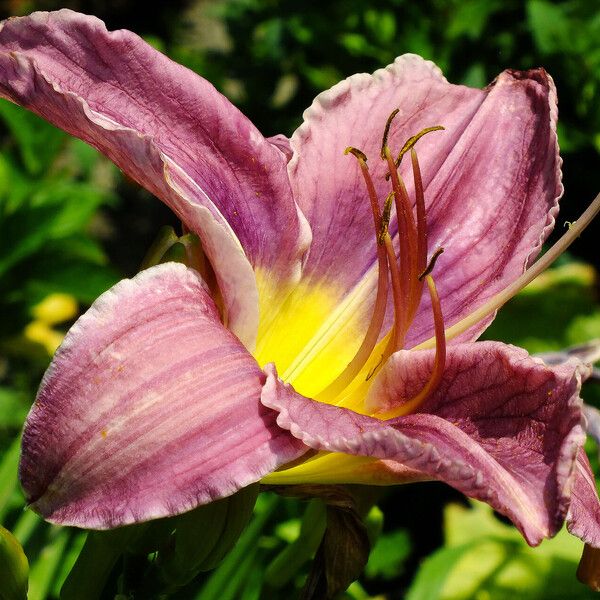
<point>439,363</point>
<point>413,244</point>
<point>407,234</point>
<point>361,157</point>
<point>359,154</point>
<point>421,214</point>
<point>385,218</point>
<point>421,233</point>
<point>514,288</point>
<point>400,324</point>
<point>370,340</point>
<point>386,132</point>
<point>429,267</point>
<point>410,142</point>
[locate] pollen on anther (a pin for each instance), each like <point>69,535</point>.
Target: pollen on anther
<point>431,264</point>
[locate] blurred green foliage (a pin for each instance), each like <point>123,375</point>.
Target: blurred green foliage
<point>51,188</point>
<point>484,558</point>
<point>272,57</point>
<point>282,54</point>
<point>61,214</point>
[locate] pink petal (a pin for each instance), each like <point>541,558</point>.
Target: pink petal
<point>150,408</point>
<point>502,428</point>
<point>492,178</point>
<point>584,512</point>
<point>147,113</point>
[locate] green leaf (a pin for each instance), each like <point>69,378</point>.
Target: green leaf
<point>68,561</point>
<point>323,77</point>
<point>218,525</point>
<point>484,557</point>
<point>434,572</point>
<point>76,277</point>
<point>73,204</point>
<point>47,563</point>
<point>22,233</point>
<point>388,556</point>
<point>27,526</point>
<point>25,231</point>
<point>549,25</point>
<point>100,553</point>
<point>290,560</point>
<point>39,142</point>
<point>8,475</point>
<point>475,76</point>
<point>469,18</point>
<point>219,580</point>
<point>232,588</point>
<point>13,568</point>
<point>541,317</point>
<point>14,406</point>
<point>382,24</point>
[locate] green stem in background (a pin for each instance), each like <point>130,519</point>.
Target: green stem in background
<point>44,569</point>
<point>220,579</point>
<point>8,476</point>
<point>234,586</point>
<point>26,525</point>
<point>194,256</point>
<point>161,245</point>
<point>286,565</point>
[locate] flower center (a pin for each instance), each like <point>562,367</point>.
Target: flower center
<point>407,270</point>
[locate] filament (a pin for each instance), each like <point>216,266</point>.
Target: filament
<point>439,363</point>
<point>407,234</point>
<point>399,313</point>
<point>421,214</point>
<point>370,340</point>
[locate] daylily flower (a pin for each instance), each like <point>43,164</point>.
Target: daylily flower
<point>329,347</point>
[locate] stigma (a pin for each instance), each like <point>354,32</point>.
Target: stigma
<point>404,269</point>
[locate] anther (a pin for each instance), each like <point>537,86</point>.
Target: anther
<point>431,264</point>
<point>385,218</point>
<point>356,152</point>
<point>386,132</point>
<point>410,142</point>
